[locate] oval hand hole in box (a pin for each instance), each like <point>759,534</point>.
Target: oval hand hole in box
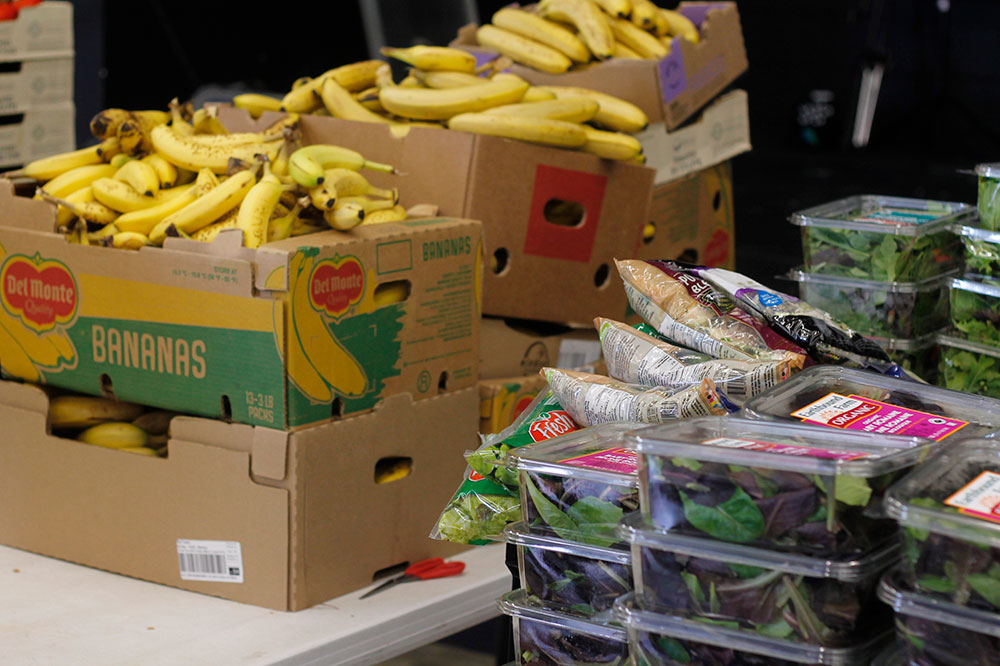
<point>396,291</point>
<point>564,213</point>
<point>498,263</point>
<point>392,469</point>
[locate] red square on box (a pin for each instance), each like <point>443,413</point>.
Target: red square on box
<point>558,241</point>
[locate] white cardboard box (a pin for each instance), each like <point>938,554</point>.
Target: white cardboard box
<point>37,83</point>
<point>41,132</point>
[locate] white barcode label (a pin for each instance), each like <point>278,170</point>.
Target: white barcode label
<point>220,561</point>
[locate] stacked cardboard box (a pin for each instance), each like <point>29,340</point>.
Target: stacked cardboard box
<point>36,83</point>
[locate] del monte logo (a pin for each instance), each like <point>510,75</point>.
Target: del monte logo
<point>336,284</point>
<point>41,292</point>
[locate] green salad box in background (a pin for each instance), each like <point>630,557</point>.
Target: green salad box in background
<point>975,309</point>
<point>968,366</point>
<point>988,201</point>
<point>982,250</point>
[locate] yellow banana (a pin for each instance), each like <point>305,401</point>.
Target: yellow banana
<point>589,20</point>
<point>433,57</point>
<point>368,204</point>
<point>637,39</point>
<point>431,104</point>
<point>14,361</point>
<point>338,368</point>
<point>411,81</point>
<point>523,50</point>
<point>395,214</point>
<point>108,148</point>
<point>179,122</point>
<point>526,128</point>
<point>643,14</point>
<point>383,76</point>
<point>344,215</point>
<point>301,371</point>
<point>47,168</point>
<point>75,179</point>
<point>120,160</point>
<point>129,240</point>
<point>661,27</point>
<point>570,109</point>
<point>166,173</point>
<point>122,197</point>
<point>301,227</point>
<point>141,450</point>
<point>104,124</point>
<point>257,207</point>
<point>207,208</point>
<point>368,98</point>
<point>155,422</point>
<point>141,176</point>
<point>681,25</point>
<point>614,113</point>
<point>83,411</point>
<point>130,138</point>
<point>280,227</point>
<point>444,79</point>
<point>349,183</point>
<point>114,435</point>
<point>90,211</point>
<point>622,51</point>
<point>619,8</point>
<point>542,30</point>
<point>142,221</point>
<point>214,152</point>
<point>307,164</point>
<point>206,121</point>
<point>354,76</point>
<point>536,95</point>
<point>209,233</point>
<point>65,215</point>
<point>341,104</point>
<point>256,103</point>
<point>611,145</point>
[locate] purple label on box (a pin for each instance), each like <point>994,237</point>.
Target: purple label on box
<point>673,78</point>
<point>621,461</point>
<point>697,13</point>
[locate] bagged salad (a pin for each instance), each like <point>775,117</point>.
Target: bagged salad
<point>489,498</point>
<point>640,355</point>
<point>690,311</point>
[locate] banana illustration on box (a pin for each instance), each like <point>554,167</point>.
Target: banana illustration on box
<point>25,352</point>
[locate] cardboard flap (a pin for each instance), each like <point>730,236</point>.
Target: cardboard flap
<point>28,397</point>
<point>235,436</point>
<point>25,213</point>
<point>269,452</point>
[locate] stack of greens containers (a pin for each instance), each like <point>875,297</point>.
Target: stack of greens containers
<point>571,563</point>
<point>970,348</point>
<point>946,589</point>
<point>881,265</point>
<point>760,542</point>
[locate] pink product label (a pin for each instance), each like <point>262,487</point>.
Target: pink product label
<point>673,78</point>
<point>859,413</point>
<point>620,461</point>
<point>787,449</point>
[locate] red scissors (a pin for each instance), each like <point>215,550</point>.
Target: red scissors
<point>435,567</point>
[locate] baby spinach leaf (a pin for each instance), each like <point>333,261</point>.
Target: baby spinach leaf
<point>985,586</point>
<point>852,490</point>
<point>737,519</point>
<point>553,516</point>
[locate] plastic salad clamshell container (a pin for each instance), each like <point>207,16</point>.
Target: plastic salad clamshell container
<point>969,366</point>
<point>982,250</point>
<point>879,309</point>
<point>841,398</point>
<point>544,636</point>
<point>888,239</point>
<point>563,574</point>
<point>988,201</point>
<point>657,639</point>
<point>579,485</point>
<point>778,485</point>
<point>781,595</point>
<point>975,309</point>
<point>949,512</point>
<point>933,632</point>
<point>918,356</point>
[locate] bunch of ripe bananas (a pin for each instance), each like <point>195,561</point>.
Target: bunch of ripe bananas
<point>557,35</point>
<point>445,88</point>
<point>110,423</point>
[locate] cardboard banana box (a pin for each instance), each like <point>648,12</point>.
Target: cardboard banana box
<point>283,520</point>
<point>669,90</point>
<point>294,333</point>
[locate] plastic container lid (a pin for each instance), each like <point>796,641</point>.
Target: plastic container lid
<point>968,345</point>
<point>517,603</point>
<point>906,344</point>
<point>519,534</point>
<point>988,170</point>
<point>895,592</point>
<point>821,279</point>
<point>978,233</point>
<point>966,465</point>
<point>576,455</point>
<point>884,214</point>
<point>638,530</point>
<point>628,610</point>
<point>783,445</point>
<point>822,395</point>
<point>976,284</point>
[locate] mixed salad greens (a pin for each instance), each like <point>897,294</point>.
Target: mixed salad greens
<point>650,649</point>
<point>577,583</point>
<point>963,370</point>
<point>776,604</point>
<point>820,516</point>
<point>929,643</point>
<point>882,311</point>
<point>581,510</point>
<point>982,256</point>
<point>975,314</point>
<point>870,255</point>
<point>988,200</point>
<point>544,644</point>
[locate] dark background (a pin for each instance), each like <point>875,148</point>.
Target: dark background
<point>940,88</point>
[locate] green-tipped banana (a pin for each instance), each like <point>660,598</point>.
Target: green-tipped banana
<point>307,165</point>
